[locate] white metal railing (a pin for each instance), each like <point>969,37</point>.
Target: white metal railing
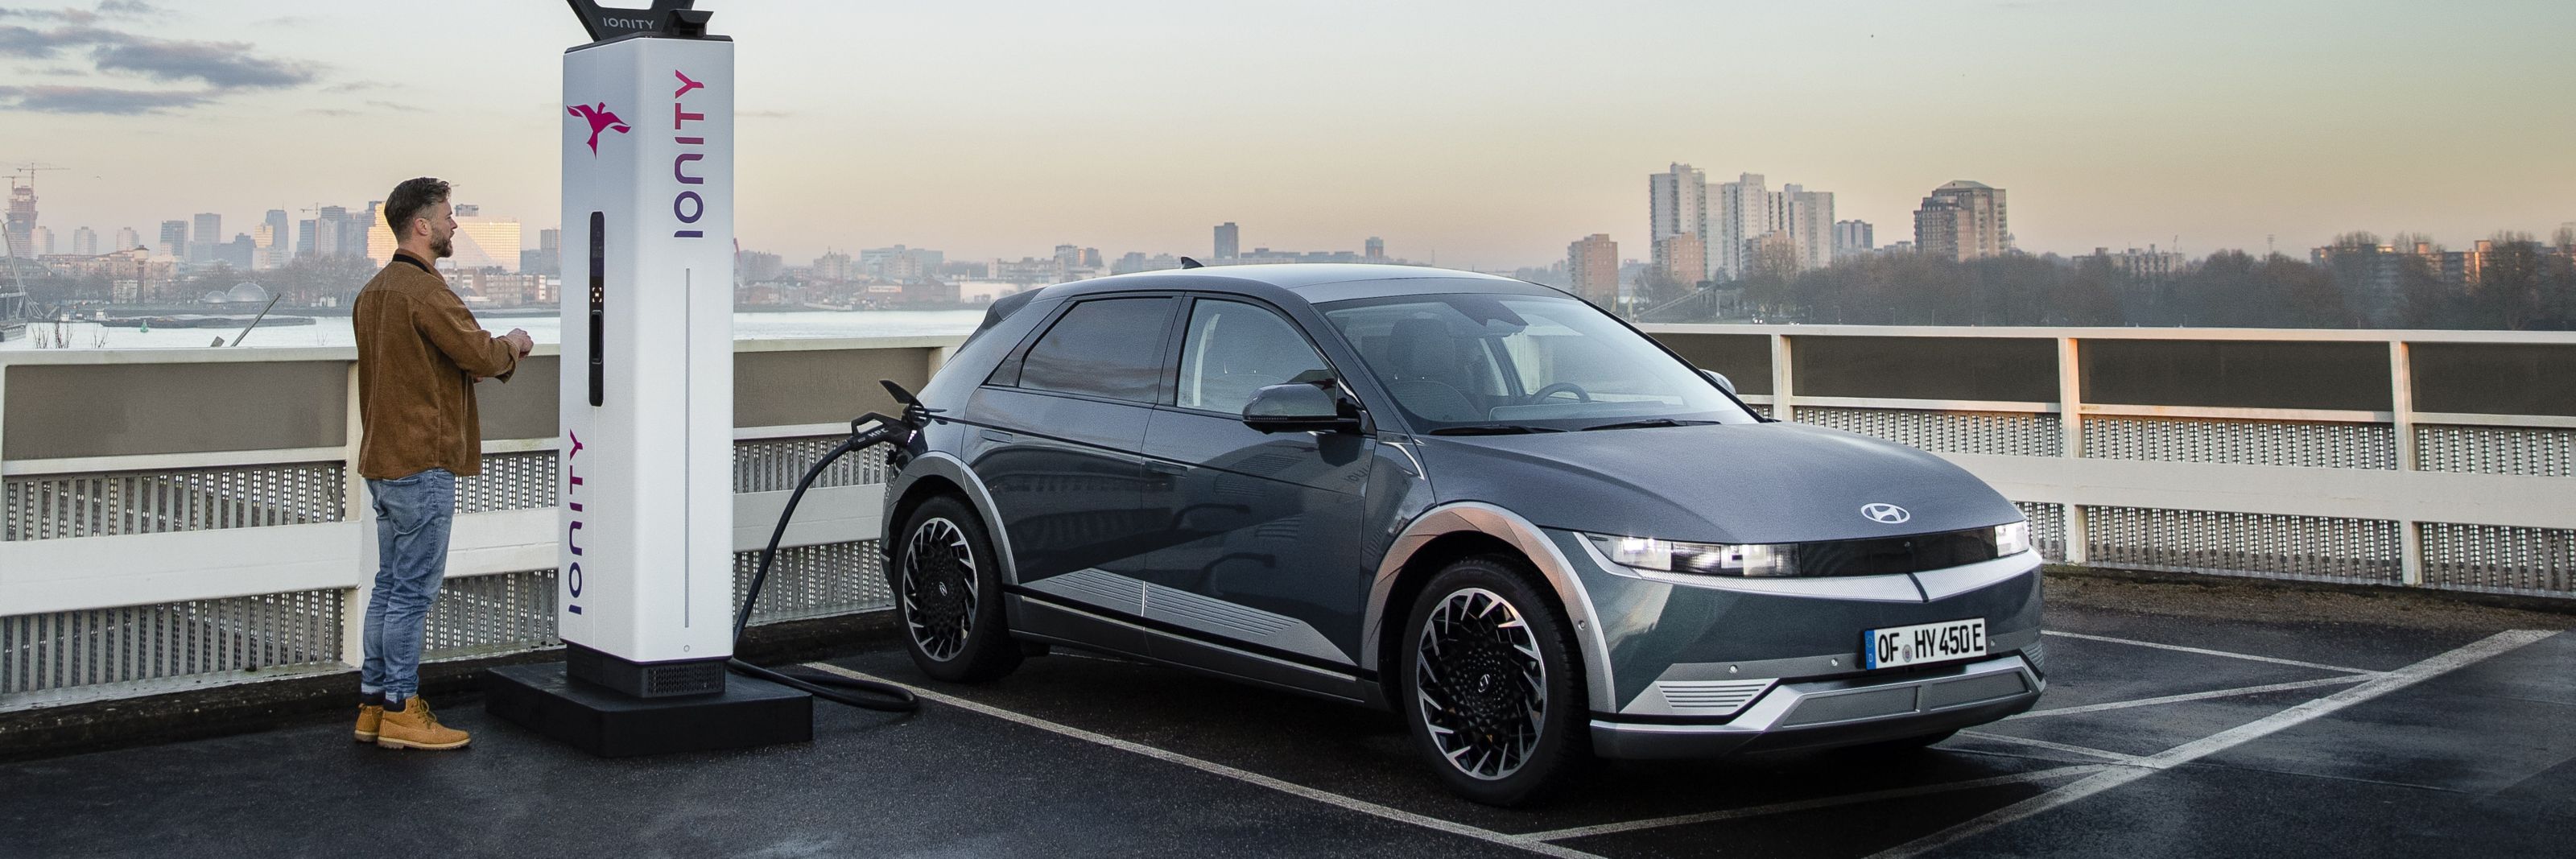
<point>219,557</point>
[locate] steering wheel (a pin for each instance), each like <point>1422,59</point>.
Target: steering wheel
<point>1562,387</point>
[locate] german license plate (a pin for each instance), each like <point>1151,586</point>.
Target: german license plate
<point>1930,642</point>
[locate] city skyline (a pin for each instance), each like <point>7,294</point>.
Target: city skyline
<point>2220,124</point>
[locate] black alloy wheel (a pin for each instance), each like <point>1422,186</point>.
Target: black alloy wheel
<point>947,589</point>
<point>1492,685</point>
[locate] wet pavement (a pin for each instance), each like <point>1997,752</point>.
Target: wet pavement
<point>2209,721</point>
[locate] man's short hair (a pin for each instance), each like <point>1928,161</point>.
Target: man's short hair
<point>412,199</point>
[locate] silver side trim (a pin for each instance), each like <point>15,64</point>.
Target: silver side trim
<point>1712,698</point>
<point>1479,517</point>
<point>1224,620</point>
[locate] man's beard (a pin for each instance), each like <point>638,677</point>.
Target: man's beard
<point>444,248</point>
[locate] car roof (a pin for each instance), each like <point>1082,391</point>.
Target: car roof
<point>1311,282</point>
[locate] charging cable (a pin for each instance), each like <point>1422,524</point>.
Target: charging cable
<point>868,430</point>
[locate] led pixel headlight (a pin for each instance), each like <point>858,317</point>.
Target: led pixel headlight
<point>1718,559</point>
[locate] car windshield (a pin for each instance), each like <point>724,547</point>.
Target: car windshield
<point>1479,363</point>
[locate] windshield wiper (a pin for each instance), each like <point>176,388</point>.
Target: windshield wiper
<point>1492,429</point>
<point>1649,422</point>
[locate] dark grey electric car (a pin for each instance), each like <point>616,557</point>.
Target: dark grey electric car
<point>1530,530</point>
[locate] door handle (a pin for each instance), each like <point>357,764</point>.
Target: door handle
<point>1160,467</point>
<point>997,435</point>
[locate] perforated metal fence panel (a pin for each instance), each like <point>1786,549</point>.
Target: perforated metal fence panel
<point>815,581</point>
<point>55,506</point>
<point>2047,528</point>
<point>774,465</point>
<point>2309,445</point>
<point>500,613</point>
<point>2254,544</point>
<point>2005,433</point>
<point>2500,559</point>
<point>2496,450</point>
<point>143,647</point>
<point>510,481</point>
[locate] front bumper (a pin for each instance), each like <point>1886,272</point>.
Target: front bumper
<point>1839,712</point>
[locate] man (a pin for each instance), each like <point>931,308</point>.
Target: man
<point>419,354</point>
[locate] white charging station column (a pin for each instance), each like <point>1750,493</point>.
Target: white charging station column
<point>646,523</point>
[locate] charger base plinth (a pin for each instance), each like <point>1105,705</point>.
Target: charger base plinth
<point>750,712</point>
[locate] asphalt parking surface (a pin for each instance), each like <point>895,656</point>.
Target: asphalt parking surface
<point>2225,720</point>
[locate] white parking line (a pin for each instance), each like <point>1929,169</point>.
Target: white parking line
<point>1808,804</point>
<point>2088,751</point>
<point>1327,797</point>
<point>2191,696</point>
<point>2223,740</point>
<point>2208,652</point>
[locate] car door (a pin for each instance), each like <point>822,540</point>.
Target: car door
<point>1060,427</point>
<point>1262,550</point>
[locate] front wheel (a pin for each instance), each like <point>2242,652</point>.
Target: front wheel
<point>1493,692</point>
<point>948,595</point>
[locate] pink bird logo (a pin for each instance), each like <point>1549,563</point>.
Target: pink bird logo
<point>600,120</point>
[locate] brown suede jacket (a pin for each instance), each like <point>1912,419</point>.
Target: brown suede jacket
<point>419,352</point>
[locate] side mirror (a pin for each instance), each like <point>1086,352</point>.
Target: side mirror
<point>1720,378</point>
<point>1297,407</point>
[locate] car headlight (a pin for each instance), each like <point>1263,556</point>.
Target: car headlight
<point>2012,539</point>
<point>1760,560</point>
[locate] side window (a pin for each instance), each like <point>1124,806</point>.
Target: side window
<point>1107,348</point>
<point>1233,349</point>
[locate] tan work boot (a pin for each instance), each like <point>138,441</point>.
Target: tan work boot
<point>414,727</point>
<point>369,717</point>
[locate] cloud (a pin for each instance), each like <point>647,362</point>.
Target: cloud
<point>24,42</point>
<point>356,86</point>
<point>221,67</point>
<point>224,65</point>
<point>329,111</point>
<point>99,100</point>
<point>393,106</point>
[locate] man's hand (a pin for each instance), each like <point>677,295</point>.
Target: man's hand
<point>520,340</point>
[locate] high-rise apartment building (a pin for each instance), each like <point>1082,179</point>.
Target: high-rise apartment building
<point>481,242</point>
<point>1681,258</point>
<point>1963,220</point>
<point>85,242</point>
<point>1746,211</point>
<point>266,251</point>
<point>379,235</point>
<point>1373,250</point>
<point>1852,238</point>
<point>127,239</point>
<point>281,232</point>
<point>41,242</point>
<point>208,234</point>
<point>20,228</point>
<point>174,240</point>
<point>307,236</point>
<point>1810,222</point>
<point>242,253</point>
<point>1229,240</point>
<point>1594,265</point>
<point>333,233</point>
<point>1677,205</point>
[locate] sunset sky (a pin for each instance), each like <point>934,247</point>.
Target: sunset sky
<point>1489,134</point>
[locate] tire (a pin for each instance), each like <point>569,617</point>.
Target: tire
<point>948,595</point>
<point>1495,707</point>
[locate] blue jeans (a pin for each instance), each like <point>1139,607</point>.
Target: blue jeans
<point>412,518</point>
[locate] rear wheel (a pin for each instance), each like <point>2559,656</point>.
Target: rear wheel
<point>948,595</point>
<point>1492,691</point>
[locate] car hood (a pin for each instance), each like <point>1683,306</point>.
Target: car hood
<point>1728,483</point>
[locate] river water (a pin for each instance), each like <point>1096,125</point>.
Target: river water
<point>335,331</point>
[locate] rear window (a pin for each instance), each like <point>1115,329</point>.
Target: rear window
<point>1111,347</point>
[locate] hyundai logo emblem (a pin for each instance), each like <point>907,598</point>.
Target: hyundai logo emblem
<point>1885,514</point>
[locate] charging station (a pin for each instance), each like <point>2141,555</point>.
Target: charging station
<point>645,558</point>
